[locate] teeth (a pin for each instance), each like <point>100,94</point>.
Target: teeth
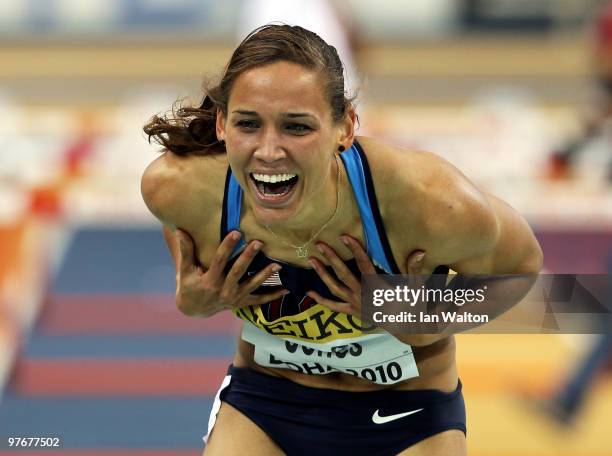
<point>273,178</point>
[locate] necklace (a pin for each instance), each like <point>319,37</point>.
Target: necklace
<point>301,251</point>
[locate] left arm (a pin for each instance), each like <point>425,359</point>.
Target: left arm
<point>489,239</point>
<point>475,234</point>
<point>456,224</point>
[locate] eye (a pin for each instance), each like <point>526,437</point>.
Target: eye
<point>246,124</point>
<point>298,128</point>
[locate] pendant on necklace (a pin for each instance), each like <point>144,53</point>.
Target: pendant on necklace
<point>301,252</point>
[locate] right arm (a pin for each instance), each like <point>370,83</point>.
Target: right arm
<point>200,291</point>
<point>203,292</point>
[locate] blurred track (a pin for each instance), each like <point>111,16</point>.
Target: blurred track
<point>111,364</point>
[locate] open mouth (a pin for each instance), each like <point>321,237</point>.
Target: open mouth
<point>274,185</point>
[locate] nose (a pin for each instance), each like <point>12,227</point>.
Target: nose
<point>269,148</point>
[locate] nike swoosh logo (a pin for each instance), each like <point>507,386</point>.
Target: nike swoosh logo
<point>385,419</point>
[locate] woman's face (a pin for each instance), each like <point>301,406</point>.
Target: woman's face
<point>280,140</point>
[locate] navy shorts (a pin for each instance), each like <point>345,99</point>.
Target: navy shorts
<point>307,421</point>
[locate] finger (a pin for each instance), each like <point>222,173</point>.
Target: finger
<point>414,263</point>
<point>341,307</point>
<point>259,278</point>
<point>340,291</point>
<point>339,267</point>
<point>244,260</point>
<point>414,266</point>
<point>187,257</point>
<point>223,253</point>
<point>256,300</point>
<point>361,256</point>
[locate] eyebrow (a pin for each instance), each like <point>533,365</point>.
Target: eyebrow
<point>291,115</point>
<point>246,113</point>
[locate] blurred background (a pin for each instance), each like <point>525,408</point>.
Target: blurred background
<point>516,93</point>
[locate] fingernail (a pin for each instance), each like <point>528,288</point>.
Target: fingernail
<point>320,248</point>
<point>236,235</point>
<point>344,240</point>
<point>311,263</point>
<point>285,292</point>
<point>276,268</point>
<point>419,257</point>
<point>257,245</point>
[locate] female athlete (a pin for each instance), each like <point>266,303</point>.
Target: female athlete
<point>277,208</point>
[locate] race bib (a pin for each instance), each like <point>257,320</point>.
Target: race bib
<point>379,358</point>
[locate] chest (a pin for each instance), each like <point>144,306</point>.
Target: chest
<point>291,252</point>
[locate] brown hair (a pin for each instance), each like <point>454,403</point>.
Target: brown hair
<point>191,130</point>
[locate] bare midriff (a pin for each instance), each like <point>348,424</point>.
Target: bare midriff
<point>435,362</point>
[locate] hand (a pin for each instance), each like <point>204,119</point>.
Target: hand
<point>349,289</point>
<point>202,292</point>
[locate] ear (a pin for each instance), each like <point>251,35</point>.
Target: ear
<point>220,125</point>
<point>346,128</point>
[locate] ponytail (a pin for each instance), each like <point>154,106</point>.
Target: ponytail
<point>187,130</point>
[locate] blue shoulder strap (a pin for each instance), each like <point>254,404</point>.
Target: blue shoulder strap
<point>377,244</point>
<point>232,204</point>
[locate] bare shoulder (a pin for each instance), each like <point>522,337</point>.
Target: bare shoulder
<point>404,167</point>
<point>438,202</point>
<point>418,180</point>
<point>173,186</point>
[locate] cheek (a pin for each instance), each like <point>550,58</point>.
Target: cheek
<point>240,141</point>
<point>239,147</point>
<point>313,146</point>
